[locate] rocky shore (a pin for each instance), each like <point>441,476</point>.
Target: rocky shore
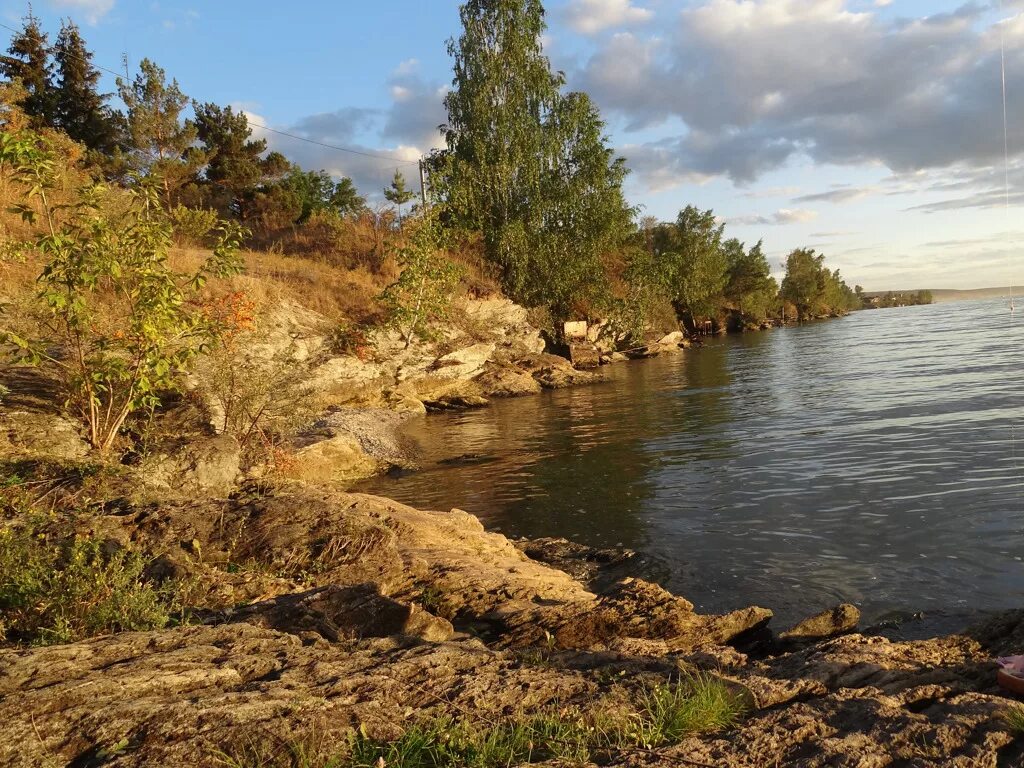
<point>355,614</point>
<point>313,618</point>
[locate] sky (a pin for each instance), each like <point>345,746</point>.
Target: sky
<point>871,130</point>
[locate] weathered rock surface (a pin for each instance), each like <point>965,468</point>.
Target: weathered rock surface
<point>342,613</point>
<point>42,433</point>
<point>353,626</point>
<point>209,466</point>
<point>506,381</point>
<point>836,621</point>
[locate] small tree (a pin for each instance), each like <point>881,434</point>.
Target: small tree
<point>115,323</point>
<point>398,194</point>
<point>423,292</point>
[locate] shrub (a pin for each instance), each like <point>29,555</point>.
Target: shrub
<point>193,225</point>
<point>59,592</point>
<point>424,289</point>
<point>115,322</point>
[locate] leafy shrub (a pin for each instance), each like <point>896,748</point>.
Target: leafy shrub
<point>59,592</point>
<point>115,322</point>
<point>424,289</point>
<point>193,225</point>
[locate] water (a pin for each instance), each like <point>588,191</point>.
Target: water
<point>875,459</point>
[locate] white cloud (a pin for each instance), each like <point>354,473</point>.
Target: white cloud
<point>589,17</point>
<point>781,217</point>
<point>751,94</point>
<point>93,10</point>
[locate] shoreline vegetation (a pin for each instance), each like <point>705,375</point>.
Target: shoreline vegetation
<point>205,345</point>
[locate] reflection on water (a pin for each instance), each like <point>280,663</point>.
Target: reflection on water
<point>874,459</point>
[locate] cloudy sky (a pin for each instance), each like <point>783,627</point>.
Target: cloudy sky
<point>871,130</point>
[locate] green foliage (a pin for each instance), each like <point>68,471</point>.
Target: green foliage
<point>59,592</point>
<point>398,193</point>
<point>116,323</point>
<point>697,704</point>
<point>236,169</point>
<point>161,145</point>
<point>316,191</point>
<point>193,225</point>
<point>667,714</point>
<point>814,289</point>
<point>28,61</point>
<point>424,289</point>
<point>897,299</point>
<point>691,261</point>
<point>81,110</point>
<point>1014,720</point>
<point>750,288</point>
<point>527,166</point>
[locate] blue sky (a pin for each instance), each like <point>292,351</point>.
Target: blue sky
<point>870,129</point>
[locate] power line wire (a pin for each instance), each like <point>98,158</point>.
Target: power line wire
<point>392,160</point>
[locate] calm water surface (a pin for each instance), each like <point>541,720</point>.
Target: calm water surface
<point>875,459</point>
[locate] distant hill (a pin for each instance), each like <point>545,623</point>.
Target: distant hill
<point>940,295</point>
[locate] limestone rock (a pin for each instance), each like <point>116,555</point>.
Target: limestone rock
<point>506,381</point>
<point>584,356</point>
<point>835,621</point>
<point>464,363</point>
<point>202,465</point>
<point>553,372</point>
<point>339,613</point>
<point>37,432</point>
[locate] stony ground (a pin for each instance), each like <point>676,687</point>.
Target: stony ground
<point>324,613</point>
<point>357,611</point>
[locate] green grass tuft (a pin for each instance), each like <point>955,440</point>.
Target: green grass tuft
<point>1014,719</point>
<point>666,715</point>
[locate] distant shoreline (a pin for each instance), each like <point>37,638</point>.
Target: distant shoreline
<point>942,295</point>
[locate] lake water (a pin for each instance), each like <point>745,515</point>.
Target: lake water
<point>875,459</point>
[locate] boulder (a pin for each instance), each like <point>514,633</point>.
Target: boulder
<point>339,613</point>
<point>463,363</point>
<point>38,432</point>
<point>835,621</point>
<point>350,444</point>
<point>210,466</point>
<point>506,381</point>
<point>553,372</point>
<point>584,356</point>
<point>575,330</point>
<point>676,337</point>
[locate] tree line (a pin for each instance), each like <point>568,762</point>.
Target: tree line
<point>528,175</point>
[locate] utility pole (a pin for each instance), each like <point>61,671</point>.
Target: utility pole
<point>423,185</point>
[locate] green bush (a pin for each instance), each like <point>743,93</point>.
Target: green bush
<point>192,226</point>
<point>59,592</point>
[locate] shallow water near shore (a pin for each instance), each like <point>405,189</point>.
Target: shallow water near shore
<point>876,459</point>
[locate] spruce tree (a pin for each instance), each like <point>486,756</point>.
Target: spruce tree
<point>81,110</point>
<point>28,60</point>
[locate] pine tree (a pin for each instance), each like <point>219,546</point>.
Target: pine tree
<point>81,110</point>
<point>161,144</point>
<point>398,193</point>
<point>235,166</point>
<point>28,60</point>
